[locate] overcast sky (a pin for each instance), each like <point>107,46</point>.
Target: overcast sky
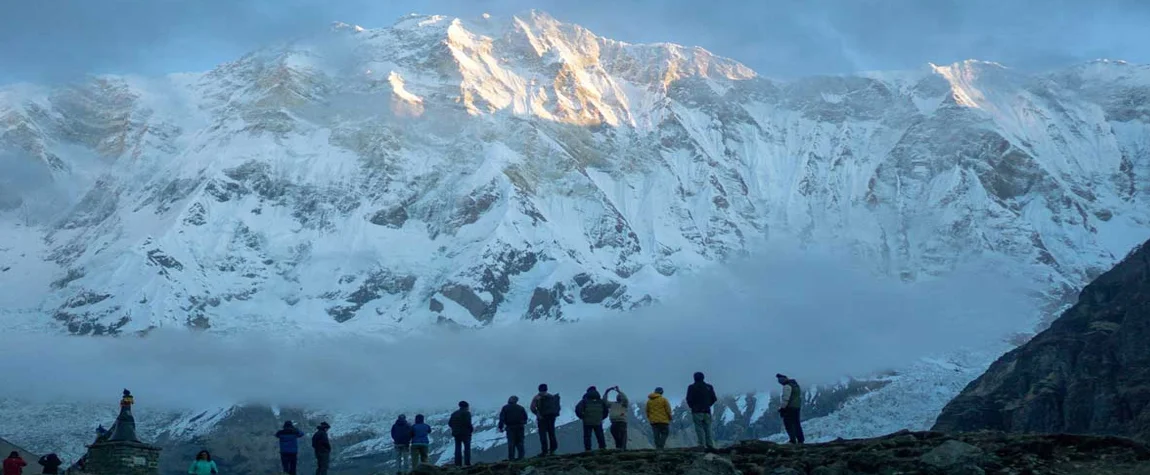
<point>53,40</point>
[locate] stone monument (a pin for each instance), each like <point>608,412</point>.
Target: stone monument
<point>119,451</point>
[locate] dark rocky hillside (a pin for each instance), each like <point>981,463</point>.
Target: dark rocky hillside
<point>901,453</point>
<point>1089,373</point>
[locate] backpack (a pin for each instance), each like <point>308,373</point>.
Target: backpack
<point>549,405</point>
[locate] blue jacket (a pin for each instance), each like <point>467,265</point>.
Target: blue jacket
<point>401,432</point>
<point>289,440</point>
<point>420,434</point>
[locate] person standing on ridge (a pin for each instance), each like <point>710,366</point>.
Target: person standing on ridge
<point>659,415</point>
<point>513,419</point>
<point>592,409</point>
<point>618,415</point>
<point>203,464</point>
<point>401,436</point>
<point>546,408</point>
<point>420,441</point>
<point>289,447</point>
<point>700,398</point>
<point>51,463</point>
<point>461,430</point>
<point>14,465</point>
<point>322,446</point>
<point>790,408</point>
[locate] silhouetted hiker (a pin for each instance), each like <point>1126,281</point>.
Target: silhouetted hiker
<point>618,416</point>
<point>461,430</point>
<point>101,433</point>
<point>659,415</point>
<point>14,465</point>
<point>546,408</point>
<point>592,409</point>
<point>289,447</point>
<point>203,464</point>
<point>420,440</point>
<point>51,464</point>
<point>513,419</point>
<point>322,446</point>
<point>401,436</point>
<point>700,398</point>
<point>790,408</point>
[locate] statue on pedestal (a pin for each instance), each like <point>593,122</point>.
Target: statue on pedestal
<point>125,427</point>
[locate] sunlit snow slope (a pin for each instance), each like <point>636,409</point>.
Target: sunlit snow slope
<point>468,172</point>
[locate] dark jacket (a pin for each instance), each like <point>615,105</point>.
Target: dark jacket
<point>320,442</point>
<point>460,423</point>
<point>289,439</point>
<point>700,397</point>
<point>420,433</point>
<point>51,463</point>
<point>401,432</point>
<point>512,415</point>
<point>592,409</point>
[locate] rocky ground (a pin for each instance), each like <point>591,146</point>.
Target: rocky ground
<point>930,453</point>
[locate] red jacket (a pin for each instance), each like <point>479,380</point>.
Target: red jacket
<point>14,466</point>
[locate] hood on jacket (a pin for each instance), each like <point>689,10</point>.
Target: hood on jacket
<point>654,396</point>
<point>592,394</point>
<point>699,377</point>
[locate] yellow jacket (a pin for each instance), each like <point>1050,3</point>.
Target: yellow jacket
<point>658,409</point>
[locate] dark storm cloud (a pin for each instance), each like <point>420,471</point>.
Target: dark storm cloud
<point>60,39</point>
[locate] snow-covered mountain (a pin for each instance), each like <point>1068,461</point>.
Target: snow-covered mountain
<point>443,170</point>
<point>467,172</point>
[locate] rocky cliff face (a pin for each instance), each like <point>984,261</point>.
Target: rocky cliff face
<point>1088,373</point>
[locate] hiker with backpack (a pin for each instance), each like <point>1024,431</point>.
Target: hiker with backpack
<point>659,415</point>
<point>618,416</point>
<point>546,408</point>
<point>420,441</point>
<point>289,447</point>
<point>700,398</point>
<point>51,464</point>
<point>321,444</point>
<point>461,430</point>
<point>401,437</point>
<point>790,408</point>
<point>592,410</point>
<point>513,419</point>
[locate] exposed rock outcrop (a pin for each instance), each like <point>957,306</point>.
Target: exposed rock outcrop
<point>904,452</point>
<point>1088,373</point>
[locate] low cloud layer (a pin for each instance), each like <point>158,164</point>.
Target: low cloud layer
<point>816,318</point>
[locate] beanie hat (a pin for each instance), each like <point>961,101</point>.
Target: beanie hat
<point>463,404</point>
<point>659,390</point>
<point>542,388</point>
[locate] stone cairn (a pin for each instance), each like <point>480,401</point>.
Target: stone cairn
<point>119,451</point>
